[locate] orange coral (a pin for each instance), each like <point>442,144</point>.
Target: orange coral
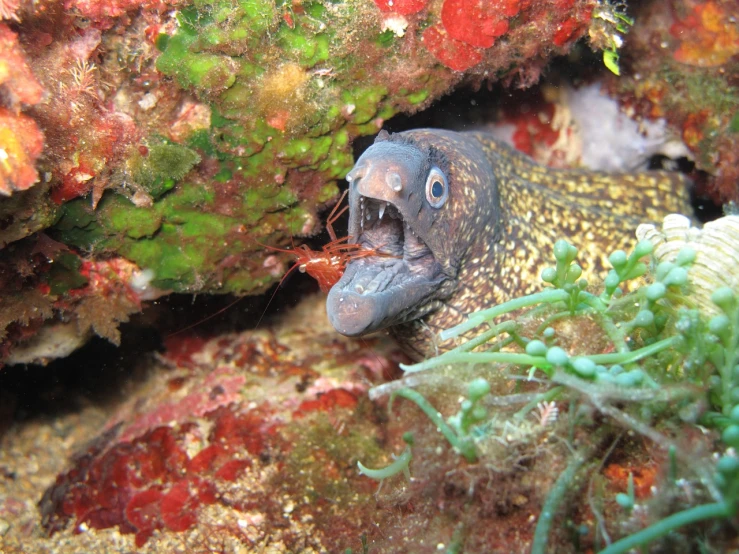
<point>16,77</point>
<point>708,36</point>
<point>21,143</point>
<point>644,478</point>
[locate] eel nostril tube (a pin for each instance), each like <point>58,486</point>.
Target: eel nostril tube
<point>394,181</point>
<point>357,172</point>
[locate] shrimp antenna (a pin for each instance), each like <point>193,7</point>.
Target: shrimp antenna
<point>207,318</point>
<point>271,298</point>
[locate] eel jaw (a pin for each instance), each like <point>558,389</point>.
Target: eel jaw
<point>380,291</point>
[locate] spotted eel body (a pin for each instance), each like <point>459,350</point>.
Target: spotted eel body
<point>468,223</point>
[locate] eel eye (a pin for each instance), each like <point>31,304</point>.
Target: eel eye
<point>437,189</point>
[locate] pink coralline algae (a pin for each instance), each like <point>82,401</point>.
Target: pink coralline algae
<point>466,29</point>
<point>152,482</point>
<point>479,22</point>
<point>217,430</point>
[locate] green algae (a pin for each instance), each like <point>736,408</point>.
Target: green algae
<point>308,50</point>
<point>191,68</point>
<point>78,225</point>
<point>418,97</point>
<point>133,222</point>
<point>365,101</point>
<point>180,238</point>
<point>162,167</point>
<point>287,94</point>
<point>64,274</point>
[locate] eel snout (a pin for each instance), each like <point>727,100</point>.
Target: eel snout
<point>378,291</point>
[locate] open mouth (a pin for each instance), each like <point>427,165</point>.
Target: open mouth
<point>384,289</point>
<point>383,228</point>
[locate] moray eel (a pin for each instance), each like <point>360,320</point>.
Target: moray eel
<point>467,222</point>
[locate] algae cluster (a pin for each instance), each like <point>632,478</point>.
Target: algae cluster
<point>654,358</point>
<point>285,100</point>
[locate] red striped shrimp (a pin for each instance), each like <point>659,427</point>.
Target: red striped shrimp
<point>328,264</point>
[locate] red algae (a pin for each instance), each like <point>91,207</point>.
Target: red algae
<point>150,482</point>
<point>535,126</point>
<point>178,507</point>
<point>478,22</point>
<point>454,54</point>
<point>77,182</point>
<point>467,30</point>
<point>327,402</point>
<point>207,461</point>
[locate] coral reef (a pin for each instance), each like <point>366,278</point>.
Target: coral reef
<point>241,441</point>
<point>181,137</point>
<point>681,64</point>
<point>150,147</point>
<point>670,353</point>
<point>589,420</point>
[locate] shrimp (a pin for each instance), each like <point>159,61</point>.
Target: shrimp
<point>328,264</point>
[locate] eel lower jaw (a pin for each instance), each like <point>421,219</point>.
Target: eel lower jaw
<point>379,291</point>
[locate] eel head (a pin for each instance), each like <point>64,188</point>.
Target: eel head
<point>399,200</point>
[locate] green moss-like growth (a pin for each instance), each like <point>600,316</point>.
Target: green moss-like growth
<point>286,91</point>
<point>162,166</point>
<point>136,223</point>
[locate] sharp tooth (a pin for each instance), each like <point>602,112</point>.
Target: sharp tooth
<point>382,210</point>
